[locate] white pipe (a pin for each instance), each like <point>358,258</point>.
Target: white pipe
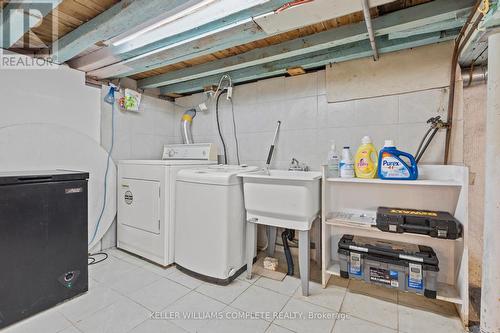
<point>490,290</point>
<point>369,27</point>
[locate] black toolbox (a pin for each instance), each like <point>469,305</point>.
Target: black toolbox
<point>432,223</point>
<point>403,266</point>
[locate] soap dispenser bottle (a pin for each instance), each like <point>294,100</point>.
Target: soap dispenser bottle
<point>366,159</point>
<point>333,161</point>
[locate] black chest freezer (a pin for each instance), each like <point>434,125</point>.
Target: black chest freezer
<point>43,241</point>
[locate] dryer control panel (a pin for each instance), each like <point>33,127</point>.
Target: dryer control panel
<point>196,151</point>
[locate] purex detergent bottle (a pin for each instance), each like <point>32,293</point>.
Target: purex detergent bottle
<point>391,166</point>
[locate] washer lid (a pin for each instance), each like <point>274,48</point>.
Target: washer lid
<point>216,174</point>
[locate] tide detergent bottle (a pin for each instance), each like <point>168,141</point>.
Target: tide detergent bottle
<point>391,166</point>
<point>365,162</point>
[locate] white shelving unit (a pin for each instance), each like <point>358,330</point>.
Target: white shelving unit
<point>439,187</point>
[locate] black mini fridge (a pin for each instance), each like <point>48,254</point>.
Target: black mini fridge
<point>43,241</point>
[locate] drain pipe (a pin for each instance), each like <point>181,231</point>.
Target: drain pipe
<point>369,27</point>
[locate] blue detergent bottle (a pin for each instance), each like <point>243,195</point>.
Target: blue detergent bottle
<point>391,166</point>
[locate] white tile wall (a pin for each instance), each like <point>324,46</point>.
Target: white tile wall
<point>140,135</point>
<point>309,122</point>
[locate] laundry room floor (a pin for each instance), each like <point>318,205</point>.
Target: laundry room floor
<point>128,294</point>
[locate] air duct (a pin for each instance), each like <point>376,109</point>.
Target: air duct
<point>474,75</point>
<point>186,122</point>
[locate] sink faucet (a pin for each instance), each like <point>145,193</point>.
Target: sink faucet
<point>295,165</point>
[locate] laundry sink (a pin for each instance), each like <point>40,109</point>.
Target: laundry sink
<point>287,199</point>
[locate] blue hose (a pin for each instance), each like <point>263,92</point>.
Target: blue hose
<point>107,165</point>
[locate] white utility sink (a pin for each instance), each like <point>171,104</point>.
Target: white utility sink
<point>287,199</point>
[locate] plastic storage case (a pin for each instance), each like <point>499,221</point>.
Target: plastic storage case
<point>406,267</point>
<point>432,223</point>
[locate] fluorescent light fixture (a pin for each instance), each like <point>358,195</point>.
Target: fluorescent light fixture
<point>185,41</point>
<point>167,20</point>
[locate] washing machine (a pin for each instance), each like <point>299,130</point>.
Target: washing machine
<point>210,223</point>
<point>146,200</point>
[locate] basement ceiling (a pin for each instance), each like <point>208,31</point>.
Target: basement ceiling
<point>308,36</point>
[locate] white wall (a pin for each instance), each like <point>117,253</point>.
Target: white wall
<point>309,122</point>
<point>53,101</point>
<point>56,96</point>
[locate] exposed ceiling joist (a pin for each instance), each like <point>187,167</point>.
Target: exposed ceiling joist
<point>203,22</point>
<point>340,53</point>
<point>403,20</point>
<point>20,17</point>
<point>241,34</point>
<point>475,51</point>
<point>114,22</point>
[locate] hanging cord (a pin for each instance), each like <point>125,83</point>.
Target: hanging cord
<point>218,125</point>
<point>104,202</point>
<point>235,134</point>
<point>94,261</point>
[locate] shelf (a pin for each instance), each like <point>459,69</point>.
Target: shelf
<point>419,182</point>
<point>445,291</point>
<point>382,234</point>
<point>333,269</point>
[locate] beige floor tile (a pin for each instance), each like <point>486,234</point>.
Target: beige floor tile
<point>132,281</point>
<point>159,294</point>
<point>372,309</point>
<point>95,300</point>
<point>49,321</point>
<point>330,297</point>
<point>224,294</point>
<point>230,323</point>
<point>119,317</point>
<point>191,310</point>
<point>322,322</point>
<point>157,326</point>
<point>416,320</point>
<point>277,329</point>
<point>257,299</point>
<point>286,287</point>
<point>184,279</point>
<point>353,324</point>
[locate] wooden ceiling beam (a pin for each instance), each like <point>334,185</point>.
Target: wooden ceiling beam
<point>317,59</point>
<point>19,17</point>
<point>118,53</point>
<point>403,20</point>
<point>113,22</point>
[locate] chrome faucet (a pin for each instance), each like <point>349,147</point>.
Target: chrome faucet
<point>295,165</point>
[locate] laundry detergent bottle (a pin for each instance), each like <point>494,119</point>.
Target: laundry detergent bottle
<point>391,166</point>
<point>365,162</point>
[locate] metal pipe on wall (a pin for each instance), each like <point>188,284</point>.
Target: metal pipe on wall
<point>369,27</point>
<point>473,75</point>
<point>490,289</point>
<point>459,43</point>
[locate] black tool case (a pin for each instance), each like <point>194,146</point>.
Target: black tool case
<point>407,267</point>
<point>432,223</point>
